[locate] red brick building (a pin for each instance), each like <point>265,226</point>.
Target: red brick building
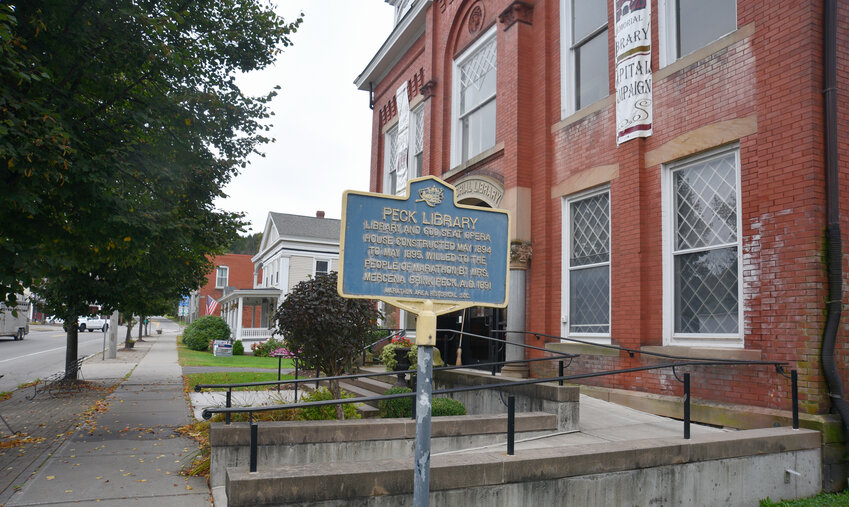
<point>234,271</point>
<point>705,237</point>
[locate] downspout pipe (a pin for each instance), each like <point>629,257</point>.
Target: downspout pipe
<point>833,238</point>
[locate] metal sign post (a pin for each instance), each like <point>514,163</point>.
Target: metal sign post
<point>428,255</point>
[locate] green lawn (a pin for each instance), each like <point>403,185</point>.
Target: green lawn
<point>188,357</point>
<point>230,377</point>
<point>821,500</point>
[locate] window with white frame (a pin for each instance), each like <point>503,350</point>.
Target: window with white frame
<point>473,99</point>
<point>390,158</point>
<point>585,62</point>
<point>416,142</point>
<point>704,253</point>
<point>416,151</point>
<point>691,24</point>
<point>222,274</point>
<point>586,278</point>
<point>322,267</point>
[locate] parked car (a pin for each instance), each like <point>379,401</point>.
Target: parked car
<point>91,323</point>
<point>14,324</point>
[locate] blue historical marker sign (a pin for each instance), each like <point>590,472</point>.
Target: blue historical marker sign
<point>423,247</point>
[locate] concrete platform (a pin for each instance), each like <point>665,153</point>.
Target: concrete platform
<point>715,468</point>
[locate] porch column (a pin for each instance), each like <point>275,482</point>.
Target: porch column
<point>230,322</point>
<point>239,319</point>
<point>520,255</point>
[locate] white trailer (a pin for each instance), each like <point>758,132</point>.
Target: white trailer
<point>14,324</point>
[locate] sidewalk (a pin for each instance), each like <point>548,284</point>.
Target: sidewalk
<point>128,454</point>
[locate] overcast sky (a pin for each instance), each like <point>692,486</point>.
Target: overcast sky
<point>322,123</point>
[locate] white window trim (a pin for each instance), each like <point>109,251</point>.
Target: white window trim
<point>227,278</point>
<point>567,61</point>
<point>387,156</point>
<point>667,28</point>
<point>729,340</point>
<point>315,262</point>
<point>565,251</point>
<point>456,131</point>
<point>411,154</point>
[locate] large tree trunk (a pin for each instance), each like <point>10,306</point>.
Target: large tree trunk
<point>129,336</point>
<point>141,327</point>
<point>71,341</point>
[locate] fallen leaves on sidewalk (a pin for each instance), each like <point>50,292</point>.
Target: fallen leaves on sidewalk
<point>88,419</point>
<point>199,432</point>
<point>19,439</point>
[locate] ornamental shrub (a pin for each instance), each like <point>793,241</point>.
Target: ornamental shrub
<point>201,332</point>
<point>398,407</point>
<point>446,406</point>
<point>413,355</point>
<point>264,349</point>
<point>387,355</point>
<point>403,407</point>
<point>238,348</point>
<point>328,331</point>
<point>326,412</point>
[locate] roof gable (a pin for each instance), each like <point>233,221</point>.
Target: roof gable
<point>300,226</point>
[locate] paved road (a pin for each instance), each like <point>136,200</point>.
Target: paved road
<point>42,353</point>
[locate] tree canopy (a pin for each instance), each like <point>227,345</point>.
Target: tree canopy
<point>246,244</point>
<point>120,123</point>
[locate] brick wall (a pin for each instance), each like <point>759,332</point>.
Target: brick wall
<point>770,72</point>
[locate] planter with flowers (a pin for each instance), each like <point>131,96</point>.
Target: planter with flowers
<point>399,355</point>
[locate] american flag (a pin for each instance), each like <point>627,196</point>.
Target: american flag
<point>211,305</point>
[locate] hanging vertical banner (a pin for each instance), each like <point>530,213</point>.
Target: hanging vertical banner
<point>633,69</point>
<point>403,139</point>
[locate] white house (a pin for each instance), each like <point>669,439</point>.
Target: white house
<point>293,248</point>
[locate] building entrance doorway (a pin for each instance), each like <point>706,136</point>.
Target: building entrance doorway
<point>478,320</point>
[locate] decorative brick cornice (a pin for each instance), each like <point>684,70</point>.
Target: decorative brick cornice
<point>415,86</point>
<point>520,254</point>
<point>517,12</point>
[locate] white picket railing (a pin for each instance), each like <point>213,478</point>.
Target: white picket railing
<point>255,333</point>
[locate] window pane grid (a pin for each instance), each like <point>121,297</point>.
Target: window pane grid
<point>589,266</point>
<point>391,160</point>
<point>474,71</point>
<point>418,131</point>
<point>474,99</point>
<point>589,300</point>
<point>706,203</point>
<point>705,247</point>
<point>706,292</point>
<point>590,230</point>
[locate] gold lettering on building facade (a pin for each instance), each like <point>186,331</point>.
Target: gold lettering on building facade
<point>485,189</point>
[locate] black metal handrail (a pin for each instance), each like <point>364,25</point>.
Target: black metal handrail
<point>512,383</point>
<point>678,362</point>
<point>199,387</point>
<point>630,351</point>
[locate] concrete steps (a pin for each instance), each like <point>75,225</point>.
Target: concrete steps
<point>365,388</point>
